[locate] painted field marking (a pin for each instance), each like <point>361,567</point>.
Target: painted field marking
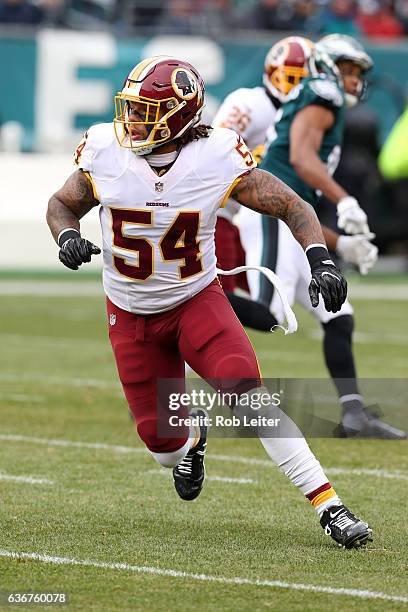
<point>232,480</point>
<point>235,580</point>
<point>70,443</point>
<point>299,357</point>
<point>365,337</point>
<point>62,342</point>
<point>26,479</point>
<point>376,473</point>
<point>51,381</point>
<point>21,397</point>
<point>368,472</point>
<point>226,479</point>
<point>51,288</point>
<point>392,292</point>
<point>88,288</point>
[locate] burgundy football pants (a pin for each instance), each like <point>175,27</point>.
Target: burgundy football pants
<point>203,331</point>
<point>230,254</point>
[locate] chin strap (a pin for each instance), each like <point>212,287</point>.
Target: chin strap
<point>277,283</point>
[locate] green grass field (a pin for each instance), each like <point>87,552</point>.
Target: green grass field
<point>76,484</point>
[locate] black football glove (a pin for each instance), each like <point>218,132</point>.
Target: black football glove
<point>327,280</point>
<point>75,250</point>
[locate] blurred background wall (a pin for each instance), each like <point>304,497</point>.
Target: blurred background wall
<point>64,61</point>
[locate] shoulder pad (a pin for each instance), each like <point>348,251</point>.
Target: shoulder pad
<point>223,136</point>
<point>101,134</point>
<point>225,155</point>
<point>328,90</point>
<point>96,138</point>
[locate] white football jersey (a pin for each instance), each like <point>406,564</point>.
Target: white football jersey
<point>158,231</point>
<point>249,112</point>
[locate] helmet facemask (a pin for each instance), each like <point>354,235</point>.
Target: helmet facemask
<point>154,116</point>
<point>284,78</point>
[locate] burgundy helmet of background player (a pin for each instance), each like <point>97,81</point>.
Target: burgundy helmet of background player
<point>169,94</point>
<point>286,64</point>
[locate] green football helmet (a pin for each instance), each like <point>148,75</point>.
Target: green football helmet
<point>340,47</point>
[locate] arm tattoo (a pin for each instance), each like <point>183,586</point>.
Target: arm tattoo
<point>68,205</point>
<point>265,193</point>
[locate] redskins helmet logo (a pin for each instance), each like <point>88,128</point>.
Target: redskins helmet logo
<point>280,53</point>
<point>184,83</point>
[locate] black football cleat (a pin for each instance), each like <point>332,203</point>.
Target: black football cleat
<point>369,425</point>
<point>345,528</point>
<point>380,429</point>
<point>189,473</point>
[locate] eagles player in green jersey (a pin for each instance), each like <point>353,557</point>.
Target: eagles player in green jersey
<point>304,150</point>
<point>308,138</point>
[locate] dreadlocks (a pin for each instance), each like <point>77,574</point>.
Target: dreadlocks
<point>194,133</point>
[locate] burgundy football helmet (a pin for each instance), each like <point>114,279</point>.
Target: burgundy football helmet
<point>169,94</point>
<point>286,64</point>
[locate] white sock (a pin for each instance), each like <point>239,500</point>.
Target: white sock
<point>290,453</point>
<point>170,460</point>
<point>295,459</point>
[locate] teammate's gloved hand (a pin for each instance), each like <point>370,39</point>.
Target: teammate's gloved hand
<point>358,250</point>
<point>75,250</point>
<point>327,280</point>
<point>351,217</point>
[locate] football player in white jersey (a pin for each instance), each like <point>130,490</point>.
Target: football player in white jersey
<point>158,177</point>
<point>252,113</point>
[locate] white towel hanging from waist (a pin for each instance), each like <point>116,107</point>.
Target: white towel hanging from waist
<point>277,283</point>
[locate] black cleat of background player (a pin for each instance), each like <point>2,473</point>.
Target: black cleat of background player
<point>367,424</point>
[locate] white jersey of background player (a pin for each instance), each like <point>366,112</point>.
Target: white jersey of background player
<point>250,112</point>
<point>187,197</point>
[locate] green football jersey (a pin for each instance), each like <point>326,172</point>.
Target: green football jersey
<point>314,90</point>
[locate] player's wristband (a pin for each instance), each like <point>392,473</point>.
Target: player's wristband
<point>66,234</point>
<point>316,254</point>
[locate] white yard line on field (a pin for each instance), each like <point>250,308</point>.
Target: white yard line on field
<point>235,580</point>
<point>232,480</point>
<point>378,291</point>
<point>68,443</point>
<point>376,473</point>
<point>368,472</point>
<point>26,479</point>
<point>20,397</point>
<point>51,381</point>
<point>374,337</point>
<point>301,357</point>
<point>384,292</point>
<point>209,478</point>
<point>34,342</point>
<point>51,288</point>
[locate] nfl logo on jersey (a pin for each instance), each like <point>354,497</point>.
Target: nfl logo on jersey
<point>159,187</point>
<point>112,319</point>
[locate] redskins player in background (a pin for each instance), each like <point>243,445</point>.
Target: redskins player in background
<point>158,177</point>
<point>253,113</point>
